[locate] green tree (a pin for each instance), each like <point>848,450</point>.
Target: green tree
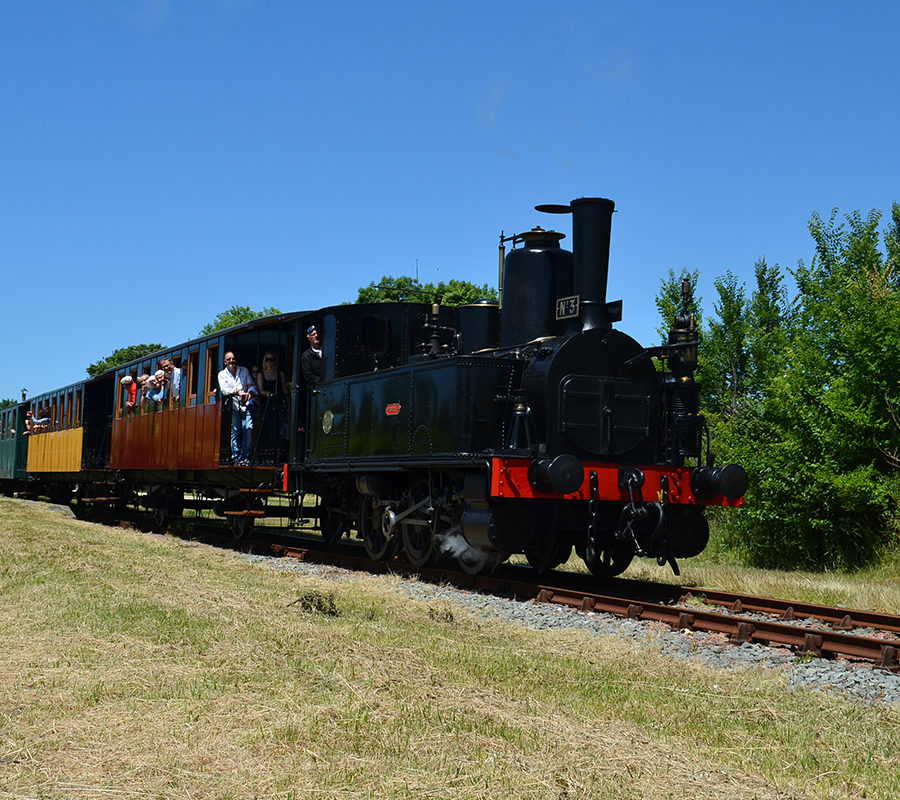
<point>745,341</point>
<point>819,444</point>
<point>723,368</point>
<point>122,356</point>
<point>235,316</point>
<point>768,329</point>
<point>6,402</point>
<point>404,289</point>
<point>892,242</point>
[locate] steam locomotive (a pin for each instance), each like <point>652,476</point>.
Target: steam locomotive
<point>472,432</point>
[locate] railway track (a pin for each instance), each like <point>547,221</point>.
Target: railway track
<point>825,631</point>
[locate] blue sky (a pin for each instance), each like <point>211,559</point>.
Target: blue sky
<point>164,160</point>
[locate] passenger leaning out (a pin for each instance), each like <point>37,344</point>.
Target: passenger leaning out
<point>173,376</point>
<point>42,423</point>
<point>144,386</point>
<point>130,386</point>
<point>156,387</point>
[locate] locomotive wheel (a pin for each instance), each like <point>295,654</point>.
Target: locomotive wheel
<point>478,562</point>
<point>610,559</point>
<point>378,546</point>
<point>418,543</point>
<point>547,553</point>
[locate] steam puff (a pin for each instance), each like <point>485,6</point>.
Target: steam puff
<point>452,543</point>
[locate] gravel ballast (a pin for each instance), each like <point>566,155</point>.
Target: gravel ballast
<point>860,682</point>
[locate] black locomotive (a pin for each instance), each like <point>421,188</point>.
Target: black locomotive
<point>475,432</point>
<point>532,429</point>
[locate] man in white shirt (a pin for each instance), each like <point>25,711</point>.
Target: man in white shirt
<point>234,384</point>
<point>173,374</point>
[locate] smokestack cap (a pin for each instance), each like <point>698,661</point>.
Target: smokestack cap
<point>556,208</point>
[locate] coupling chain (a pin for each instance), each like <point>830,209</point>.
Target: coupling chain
<point>593,529</point>
<point>625,531</point>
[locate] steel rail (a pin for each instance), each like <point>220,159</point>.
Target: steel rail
<point>840,618</point>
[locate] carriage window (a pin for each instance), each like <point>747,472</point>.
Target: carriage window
<point>146,369</point>
<point>77,419</point>
<point>193,376</point>
<point>177,374</point>
<point>212,372</point>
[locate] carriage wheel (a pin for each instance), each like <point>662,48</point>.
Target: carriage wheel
<point>240,526</point>
<point>166,505</point>
<point>159,515</point>
<point>60,494</point>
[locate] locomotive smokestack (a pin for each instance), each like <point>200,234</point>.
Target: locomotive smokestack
<point>591,228</point>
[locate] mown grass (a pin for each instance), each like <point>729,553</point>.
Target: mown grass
<point>139,665</point>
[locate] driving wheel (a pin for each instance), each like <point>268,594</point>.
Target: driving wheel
<point>378,546</point>
<point>418,542</point>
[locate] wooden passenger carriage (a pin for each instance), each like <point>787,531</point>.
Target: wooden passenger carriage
<point>182,442</point>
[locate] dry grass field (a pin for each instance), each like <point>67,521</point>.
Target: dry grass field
<point>141,666</point>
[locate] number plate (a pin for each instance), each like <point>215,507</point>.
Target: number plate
<point>567,307</point>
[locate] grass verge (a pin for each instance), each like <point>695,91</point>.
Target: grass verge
<point>146,666</point>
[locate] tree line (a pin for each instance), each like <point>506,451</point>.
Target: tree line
<point>804,391</point>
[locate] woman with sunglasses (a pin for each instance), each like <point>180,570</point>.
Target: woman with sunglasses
<point>273,395</point>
